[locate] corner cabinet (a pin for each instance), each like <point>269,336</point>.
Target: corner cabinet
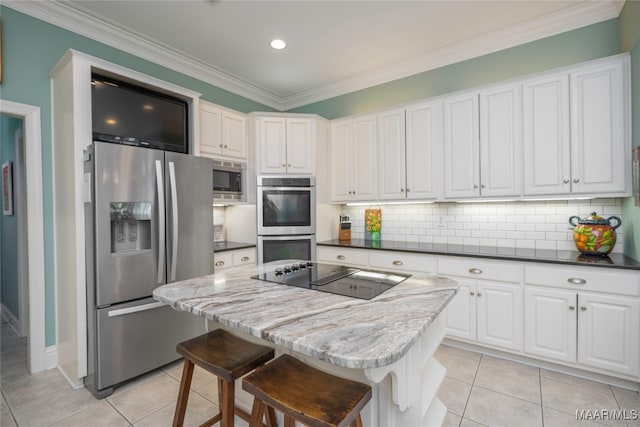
<point>223,133</point>
<point>576,131</point>
<point>285,145</point>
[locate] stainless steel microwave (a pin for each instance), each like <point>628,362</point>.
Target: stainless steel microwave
<point>229,181</point>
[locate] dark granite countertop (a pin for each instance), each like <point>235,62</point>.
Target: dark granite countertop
<point>614,260</point>
<point>229,246</point>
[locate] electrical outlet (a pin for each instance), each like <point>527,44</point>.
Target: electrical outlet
<point>440,223</point>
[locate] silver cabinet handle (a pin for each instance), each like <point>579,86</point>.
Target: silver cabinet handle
<point>576,281</point>
<point>483,186</point>
<point>571,308</point>
<point>566,181</point>
<point>340,257</point>
<point>475,185</point>
<point>220,145</point>
<point>576,180</point>
<point>479,294</point>
<point>161,220</point>
<point>219,263</point>
<point>472,293</point>
<point>408,190</point>
<point>397,262</point>
<point>402,190</point>
<point>475,271</point>
<point>244,259</point>
<point>289,165</point>
<point>583,308</point>
<point>284,165</point>
<point>226,146</point>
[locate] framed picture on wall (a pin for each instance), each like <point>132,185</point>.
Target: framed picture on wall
<point>635,156</point>
<point>7,188</point>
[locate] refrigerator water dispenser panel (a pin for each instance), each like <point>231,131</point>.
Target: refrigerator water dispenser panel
<point>130,226</point>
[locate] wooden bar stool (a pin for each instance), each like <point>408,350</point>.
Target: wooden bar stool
<point>228,357</point>
<point>305,394</point>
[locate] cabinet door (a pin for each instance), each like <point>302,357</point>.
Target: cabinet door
<point>598,129</point>
<point>342,163</point>
<point>424,150</point>
<point>210,143</point>
<point>460,314</point>
<point>364,155</point>
<point>547,143</point>
<point>499,315</point>
<point>550,323</point>
<point>234,135</point>
<point>608,333</point>
<point>500,141</point>
<point>300,146</point>
<point>462,144</point>
<point>273,145</point>
<point>391,155</point>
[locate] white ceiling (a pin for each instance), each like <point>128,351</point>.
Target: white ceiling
<point>334,47</point>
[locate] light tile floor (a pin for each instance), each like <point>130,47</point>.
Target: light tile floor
<point>479,390</point>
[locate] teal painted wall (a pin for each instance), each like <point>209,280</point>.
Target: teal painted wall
<point>30,50</point>
<point>595,41</point>
<point>630,41</point>
<point>8,224</point>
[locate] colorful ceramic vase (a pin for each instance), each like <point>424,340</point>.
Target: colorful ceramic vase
<point>594,235</point>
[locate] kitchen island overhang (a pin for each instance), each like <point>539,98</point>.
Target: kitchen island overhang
<point>388,341</point>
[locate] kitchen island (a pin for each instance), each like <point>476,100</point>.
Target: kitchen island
<point>387,342</point>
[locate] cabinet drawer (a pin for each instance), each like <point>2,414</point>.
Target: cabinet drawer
<point>480,269</point>
<point>584,279</point>
<point>222,260</point>
<point>244,256</point>
<point>385,260</point>
<point>343,256</point>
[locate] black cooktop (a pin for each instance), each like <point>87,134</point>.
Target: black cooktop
<point>335,279</point>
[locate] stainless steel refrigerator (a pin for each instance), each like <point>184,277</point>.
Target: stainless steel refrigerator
<point>149,221</point>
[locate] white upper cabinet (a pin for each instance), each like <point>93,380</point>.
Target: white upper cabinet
<point>547,154</point>
<point>598,129</point>
<point>352,145</point>
<point>501,141</point>
<point>392,181</point>
<point>483,139</point>
<point>576,138</point>
<point>424,150</point>
<point>461,146</point>
<point>286,145</point>
<point>223,133</point>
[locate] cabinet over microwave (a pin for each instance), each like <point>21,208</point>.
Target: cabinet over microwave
<point>229,181</point>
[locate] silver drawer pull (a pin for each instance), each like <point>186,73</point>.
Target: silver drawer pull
<point>244,259</point>
<point>472,293</point>
<point>583,308</point>
<point>576,281</point>
<point>219,263</point>
<point>341,257</point>
<point>397,262</point>
<point>475,271</point>
<point>571,307</point>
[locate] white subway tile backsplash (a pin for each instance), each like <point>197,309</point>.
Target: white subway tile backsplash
<point>534,225</point>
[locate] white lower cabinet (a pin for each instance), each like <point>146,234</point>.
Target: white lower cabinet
<point>460,314</point>
<point>234,258</point>
<point>571,316</point>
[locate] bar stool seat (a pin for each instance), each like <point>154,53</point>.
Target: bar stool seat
<point>305,394</point>
<point>226,356</point>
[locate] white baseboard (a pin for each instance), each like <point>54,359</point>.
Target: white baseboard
<point>74,383</point>
<point>12,320</point>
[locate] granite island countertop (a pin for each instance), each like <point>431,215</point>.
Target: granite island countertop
<point>344,331</point>
<point>573,258</point>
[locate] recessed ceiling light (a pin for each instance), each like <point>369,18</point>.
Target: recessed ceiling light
<point>278,44</point>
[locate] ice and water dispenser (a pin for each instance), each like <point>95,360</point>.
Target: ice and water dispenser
<point>130,226</point>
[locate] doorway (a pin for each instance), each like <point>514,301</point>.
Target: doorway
<point>33,285</point>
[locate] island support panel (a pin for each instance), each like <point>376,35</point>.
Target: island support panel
<point>404,393</point>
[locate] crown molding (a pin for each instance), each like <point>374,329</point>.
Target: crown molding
<point>568,19</point>
<point>70,18</point>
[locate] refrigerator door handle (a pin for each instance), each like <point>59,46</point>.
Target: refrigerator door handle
<point>174,220</point>
<point>161,220</point>
<point>136,309</point>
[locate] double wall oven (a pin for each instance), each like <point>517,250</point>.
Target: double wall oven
<point>286,206</point>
